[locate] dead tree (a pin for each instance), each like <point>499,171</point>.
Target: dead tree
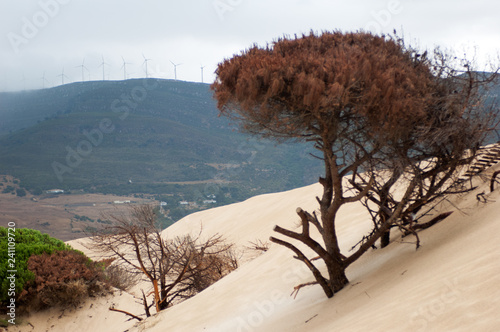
<point>176,269</point>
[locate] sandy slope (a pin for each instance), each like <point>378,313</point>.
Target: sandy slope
<point>452,283</point>
<point>91,316</point>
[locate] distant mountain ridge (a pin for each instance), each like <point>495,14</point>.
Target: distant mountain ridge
<point>140,136</point>
<point>151,136</point>
<point>25,108</point>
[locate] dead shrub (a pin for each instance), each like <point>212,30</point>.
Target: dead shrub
<point>176,269</point>
<point>118,277</point>
<point>210,266</point>
<point>259,246</point>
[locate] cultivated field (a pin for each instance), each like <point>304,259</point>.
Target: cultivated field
<point>60,215</point>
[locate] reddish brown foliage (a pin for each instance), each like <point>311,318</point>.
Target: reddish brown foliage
<point>302,86</point>
<point>61,278</point>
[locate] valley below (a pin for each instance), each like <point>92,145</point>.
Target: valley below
<point>67,216</point>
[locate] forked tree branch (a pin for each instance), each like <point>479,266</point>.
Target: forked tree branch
<point>304,239</point>
<point>317,274</point>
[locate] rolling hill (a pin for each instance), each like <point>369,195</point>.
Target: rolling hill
<point>154,137</point>
<point>141,136</point>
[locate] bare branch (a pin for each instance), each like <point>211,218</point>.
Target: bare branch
<point>176,268</point>
<point>384,227</point>
<point>304,239</point>
<point>298,287</point>
<point>317,274</point>
<point>493,180</point>
<point>126,313</point>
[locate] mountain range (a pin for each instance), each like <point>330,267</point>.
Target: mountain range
<point>141,136</point>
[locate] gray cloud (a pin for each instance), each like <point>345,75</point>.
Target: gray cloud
<point>45,36</point>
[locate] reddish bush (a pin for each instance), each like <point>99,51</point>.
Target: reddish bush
<point>62,278</point>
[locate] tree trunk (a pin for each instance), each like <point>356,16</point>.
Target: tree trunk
<point>157,295</point>
<point>385,239</point>
<point>337,277</point>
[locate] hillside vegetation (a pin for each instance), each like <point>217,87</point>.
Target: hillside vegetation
<point>150,136</point>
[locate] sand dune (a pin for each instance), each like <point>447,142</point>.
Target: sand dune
<point>93,315</point>
<point>452,283</point>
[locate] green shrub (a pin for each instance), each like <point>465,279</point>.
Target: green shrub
<point>37,191</point>
<point>8,189</point>
<point>48,271</point>
<point>28,242</point>
<point>20,192</point>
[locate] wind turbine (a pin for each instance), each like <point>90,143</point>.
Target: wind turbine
<point>103,64</point>
<point>83,68</point>
<point>125,68</point>
<point>175,69</point>
<point>62,76</point>
<point>145,63</point>
<point>202,73</point>
<point>43,80</point>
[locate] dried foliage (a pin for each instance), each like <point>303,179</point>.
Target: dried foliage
<point>63,278</point>
<point>119,277</point>
<point>377,110</point>
<point>175,268</point>
<point>300,87</point>
<point>259,246</point>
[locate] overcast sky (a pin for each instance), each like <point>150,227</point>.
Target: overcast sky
<point>41,39</point>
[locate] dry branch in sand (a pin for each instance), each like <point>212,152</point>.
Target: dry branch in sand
<point>176,269</point>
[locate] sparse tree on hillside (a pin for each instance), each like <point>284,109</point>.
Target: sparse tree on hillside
<point>379,113</point>
<point>176,268</point>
